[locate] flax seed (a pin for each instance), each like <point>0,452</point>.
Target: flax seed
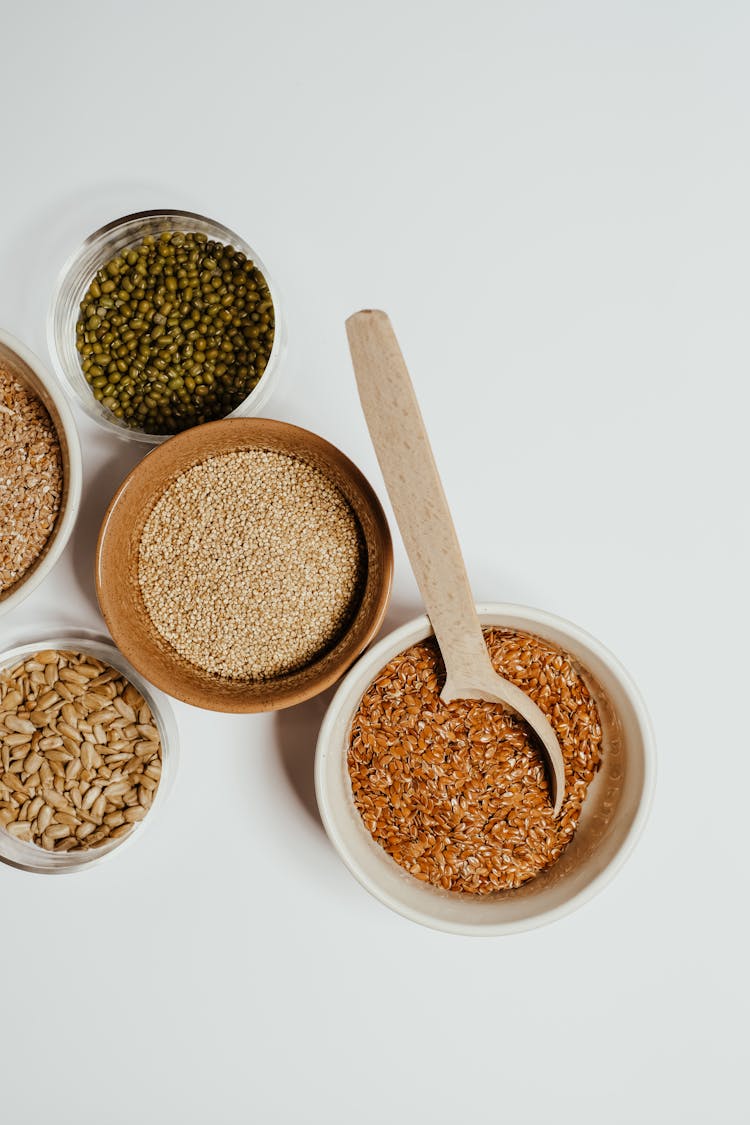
<point>457,792</point>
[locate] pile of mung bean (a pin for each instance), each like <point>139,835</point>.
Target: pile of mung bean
<point>175,331</point>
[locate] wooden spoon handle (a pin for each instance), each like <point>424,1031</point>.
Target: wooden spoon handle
<point>411,476</point>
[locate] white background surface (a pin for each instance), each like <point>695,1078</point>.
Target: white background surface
<point>551,199</point>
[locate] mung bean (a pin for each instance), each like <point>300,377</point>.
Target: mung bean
<point>175,331</point>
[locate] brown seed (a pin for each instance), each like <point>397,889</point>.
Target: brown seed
<point>125,710</point>
<point>88,817</point>
<point>58,757</point>
<point>70,716</point>
<point>11,701</point>
<point>94,702</point>
<point>101,718</point>
<point>10,781</point>
<point>20,739</point>
<point>73,769</point>
<point>137,812</point>
<point>116,789</point>
<point>89,671</point>
<point>122,830</point>
<point>52,797</point>
<point>57,831</point>
<point>66,818</point>
<point>20,726</point>
<point>51,742</point>
<point>20,829</point>
<point>90,796</point>
<point>88,755</point>
<point>34,807</point>
<point>146,749</point>
<point>70,676</point>
<point>148,732</point>
<point>32,762</point>
<point>44,817</point>
<point>105,678</point>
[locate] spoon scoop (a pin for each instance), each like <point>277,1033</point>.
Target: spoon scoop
<point>421,509</point>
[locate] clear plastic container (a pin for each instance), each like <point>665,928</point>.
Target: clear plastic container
<point>76,276</point>
<point>32,857</point>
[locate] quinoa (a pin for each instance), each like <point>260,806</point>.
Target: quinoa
<point>457,792</point>
<point>250,564</point>
<point>31,479</point>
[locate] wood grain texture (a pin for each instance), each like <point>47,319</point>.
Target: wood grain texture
<point>119,592</point>
<point>414,486</point>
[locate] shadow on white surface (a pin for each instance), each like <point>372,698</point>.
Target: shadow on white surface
<point>297,727</point>
<point>100,482</point>
<point>33,254</point>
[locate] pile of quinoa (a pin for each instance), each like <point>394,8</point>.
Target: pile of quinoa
<point>250,564</point>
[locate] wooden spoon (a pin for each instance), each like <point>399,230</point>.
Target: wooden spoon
<point>403,448</point>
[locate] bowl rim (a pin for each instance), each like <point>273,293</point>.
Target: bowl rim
<point>417,629</point>
<point>29,638</point>
<point>200,697</point>
<point>267,382</point>
<point>68,516</point>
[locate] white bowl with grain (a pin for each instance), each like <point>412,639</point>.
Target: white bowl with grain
<point>613,814</point>
<point>27,369</point>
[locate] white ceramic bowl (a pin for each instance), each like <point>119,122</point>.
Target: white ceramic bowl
<point>75,278</point>
<point>16,358</point>
<point>31,857</point>
<point>613,815</point>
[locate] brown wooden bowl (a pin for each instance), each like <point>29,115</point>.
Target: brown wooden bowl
<point>120,595</point>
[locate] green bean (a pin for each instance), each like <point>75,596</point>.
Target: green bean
<point>175,331</point>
